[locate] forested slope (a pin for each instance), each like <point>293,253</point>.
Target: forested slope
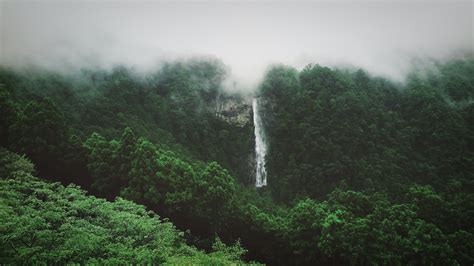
<point>44,222</point>
<point>361,170</point>
<point>330,127</point>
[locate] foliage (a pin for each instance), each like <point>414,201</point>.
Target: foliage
<point>49,223</point>
<point>361,170</point>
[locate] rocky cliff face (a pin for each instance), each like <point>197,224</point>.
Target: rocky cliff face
<point>234,109</point>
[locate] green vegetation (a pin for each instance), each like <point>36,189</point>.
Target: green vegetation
<point>361,170</point>
<point>49,223</point>
<point>330,127</point>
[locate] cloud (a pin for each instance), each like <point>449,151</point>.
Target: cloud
<point>380,36</point>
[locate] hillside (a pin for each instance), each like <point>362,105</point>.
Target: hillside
<point>360,169</point>
<point>43,222</point>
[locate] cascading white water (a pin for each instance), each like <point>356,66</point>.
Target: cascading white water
<point>260,146</point>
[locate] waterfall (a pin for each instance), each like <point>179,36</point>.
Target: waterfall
<point>260,147</point>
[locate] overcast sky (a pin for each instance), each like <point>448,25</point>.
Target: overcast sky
<point>380,36</point>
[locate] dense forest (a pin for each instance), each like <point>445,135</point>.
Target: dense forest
<point>119,166</point>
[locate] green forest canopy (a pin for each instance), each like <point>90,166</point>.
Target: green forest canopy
<point>49,223</point>
<point>361,170</point>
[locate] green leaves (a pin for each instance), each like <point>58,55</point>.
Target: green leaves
<point>217,183</point>
<point>12,164</point>
<point>160,179</point>
<point>367,171</point>
<point>216,189</point>
<point>101,162</point>
<point>48,223</point>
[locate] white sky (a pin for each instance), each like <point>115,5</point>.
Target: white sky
<point>380,36</point>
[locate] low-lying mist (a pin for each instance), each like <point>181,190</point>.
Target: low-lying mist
<point>384,38</point>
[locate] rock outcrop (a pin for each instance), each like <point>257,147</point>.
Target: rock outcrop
<point>234,109</point>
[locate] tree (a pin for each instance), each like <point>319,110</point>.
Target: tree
<point>8,115</point>
<point>304,230</point>
<point>217,189</point>
<point>102,158</point>
<point>142,186</point>
<point>41,133</point>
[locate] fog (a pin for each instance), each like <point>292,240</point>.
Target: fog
<point>380,36</point>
